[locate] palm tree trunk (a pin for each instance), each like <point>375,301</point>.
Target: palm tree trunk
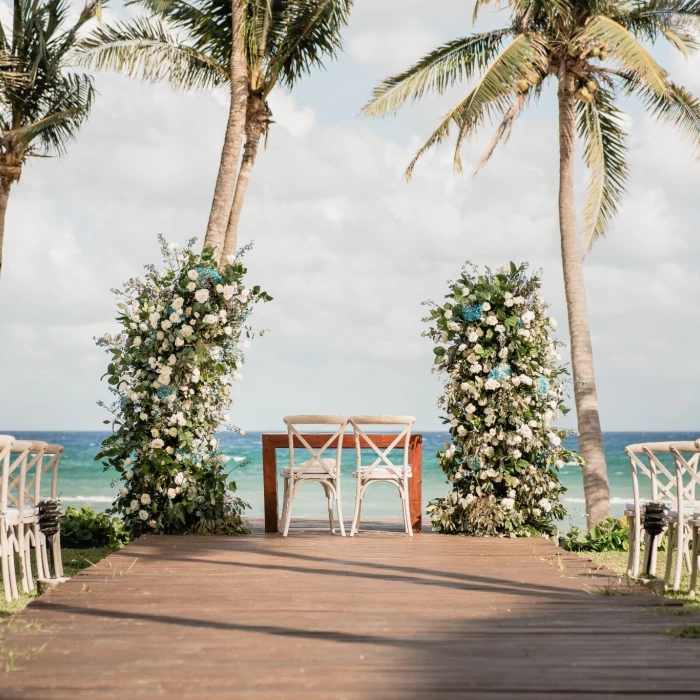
<point>249,154</point>
<point>595,475</point>
<point>230,154</point>
<point>258,119</point>
<point>4,198</point>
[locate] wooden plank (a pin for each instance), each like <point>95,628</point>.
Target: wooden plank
<point>416,483</point>
<point>314,616</point>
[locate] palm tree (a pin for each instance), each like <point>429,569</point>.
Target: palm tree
<point>42,105</point>
<point>188,43</point>
<point>594,50</point>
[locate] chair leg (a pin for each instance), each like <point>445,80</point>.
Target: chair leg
<point>281,517</point>
<point>679,556</point>
<point>340,510</point>
<point>655,554</point>
<point>57,556</point>
<point>669,554</point>
<point>28,557</point>
<point>355,527</point>
<point>407,511</point>
<point>686,547</point>
<point>37,553</point>
<point>21,537</point>
<point>632,545</point>
<point>6,552</point>
<point>694,561</point>
<point>14,591</point>
<point>288,514</point>
<point>329,498</point>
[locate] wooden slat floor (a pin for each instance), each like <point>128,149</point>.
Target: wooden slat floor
<point>374,616</point>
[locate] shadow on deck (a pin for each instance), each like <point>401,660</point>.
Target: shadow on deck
<point>374,616</point>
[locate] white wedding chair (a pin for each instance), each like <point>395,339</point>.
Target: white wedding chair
<point>49,467</point>
<point>25,489</point>
<point>7,536</point>
<point>662,482</point>
<point>317,470</point>
<point>382,469</point>
<point>686,510</point>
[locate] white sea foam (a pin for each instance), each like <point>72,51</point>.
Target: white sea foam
<point>238,459</point>
<point>87,499</point>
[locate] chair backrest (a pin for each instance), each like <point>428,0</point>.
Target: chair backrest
<point>679,483</point>
<point>52,455</point>
<point>14,475</point>
<point>401,441</point>
<point>316,462</point>
<point>32,472</point>
<point>6,443</point>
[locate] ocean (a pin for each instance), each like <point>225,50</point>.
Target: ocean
<point>82,481</point>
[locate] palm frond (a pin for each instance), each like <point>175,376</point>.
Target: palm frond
<point>524,57</point>
<point>437,71</point>
<point>679,108</point>
<point>600,127</point>
<point>149,49</point>
<point>627,51</point>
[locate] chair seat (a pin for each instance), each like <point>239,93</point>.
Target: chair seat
<point>629,506</point>
<point>13,513</point>
<point>312,469</point>
<point>689,509</point>
<point>383,473</point>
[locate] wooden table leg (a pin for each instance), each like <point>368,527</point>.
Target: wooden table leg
<point>269,455</point>
<point>416,483</point>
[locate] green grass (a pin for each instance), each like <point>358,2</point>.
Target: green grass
<point>74,560</point>
<point>617,562</point>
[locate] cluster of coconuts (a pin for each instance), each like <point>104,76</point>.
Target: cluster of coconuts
<point>599,50</point>
<point>585,90</point>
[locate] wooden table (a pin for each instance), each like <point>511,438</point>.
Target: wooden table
<point>271,442</point>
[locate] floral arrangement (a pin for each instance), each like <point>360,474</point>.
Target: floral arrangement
<point>182,341</point>
<point>504,387</point>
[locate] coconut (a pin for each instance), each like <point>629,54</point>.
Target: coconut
<point>591,85</point>
<point>522,85</point>
<point>595,51</point>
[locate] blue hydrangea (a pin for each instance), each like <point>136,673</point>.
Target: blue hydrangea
<point>541,387</point>
<point>473,312</point>
<point>208,273</point>
<point>500,371</point>
<point>473,462</point>
<point>164,391</point>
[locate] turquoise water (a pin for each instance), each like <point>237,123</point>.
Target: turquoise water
<point>83,483</point>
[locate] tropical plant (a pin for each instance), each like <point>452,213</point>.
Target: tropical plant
<point>181,343</point>
<point>609,535</point>
<point>188,43</point>
<point>42,104</point>
<point>82,528</point>
<point>594,49</point>
<point>503,388</point>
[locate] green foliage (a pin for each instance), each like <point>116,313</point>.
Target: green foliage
<point>595,50</point>
<point>610,535</point>
<point>181,345</point>
<point>83,528</point>
<point>503,389</point>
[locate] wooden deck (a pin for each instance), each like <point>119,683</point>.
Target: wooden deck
<point>315,616</point>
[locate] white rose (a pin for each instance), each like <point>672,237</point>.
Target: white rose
<point>524,379</point>
<point>508,295</point>
<point>453,325</point>
<point>160,335</point>
<point>492,320</point>
<point>143,515</point>
<point>129,475</point>
<point>127,461</point>
<point>464,386</point>
<point>471,408</point>
<point>165,325</point>
<point>137,340</point>
<point>157,443</point>
<point>187,331</point>
<point>517,454</point>
<point>173,432</point>
<point>145,499</point>
<point>229,291</point>
<point>177,303</point>
<point>230,259</point>
<point>507,503</point>
<point>491,384</point>
<point>536,512</point>
<point>191,286</point>
<point>210,319</point>
<point>179,342</point>
<point>174,317</point>
<point>228,330</point>
<point>172,493</point>
<point>179,478</point>
<point>554,439</point>
<point>193,274</point>
<point>486,306</point>
<point>448,314</point>
<point>201,295</point>
<point>508,303</point>
<point>527,317</point>
<point>503,353</point>
<point>123,491</point>
<point>545,505</point>
<point>552,324</point>
<point>219,288</point>
<point>472,337</point>
<point>519,300</point>
<point>134,504</point>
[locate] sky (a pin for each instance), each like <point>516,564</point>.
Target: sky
<point>345,246</point>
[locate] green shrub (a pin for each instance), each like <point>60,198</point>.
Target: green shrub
<point>83,527</point>
<point>610,535</point>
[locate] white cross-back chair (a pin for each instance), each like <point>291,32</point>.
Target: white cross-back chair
<point>319,469</point>
<point>382,469</point>
<point>7,536</point>
<point>43,489</point>
<point>677,488</point>
<point>24,493</point>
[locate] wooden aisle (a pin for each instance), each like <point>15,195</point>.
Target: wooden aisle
<point>375,616</point>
